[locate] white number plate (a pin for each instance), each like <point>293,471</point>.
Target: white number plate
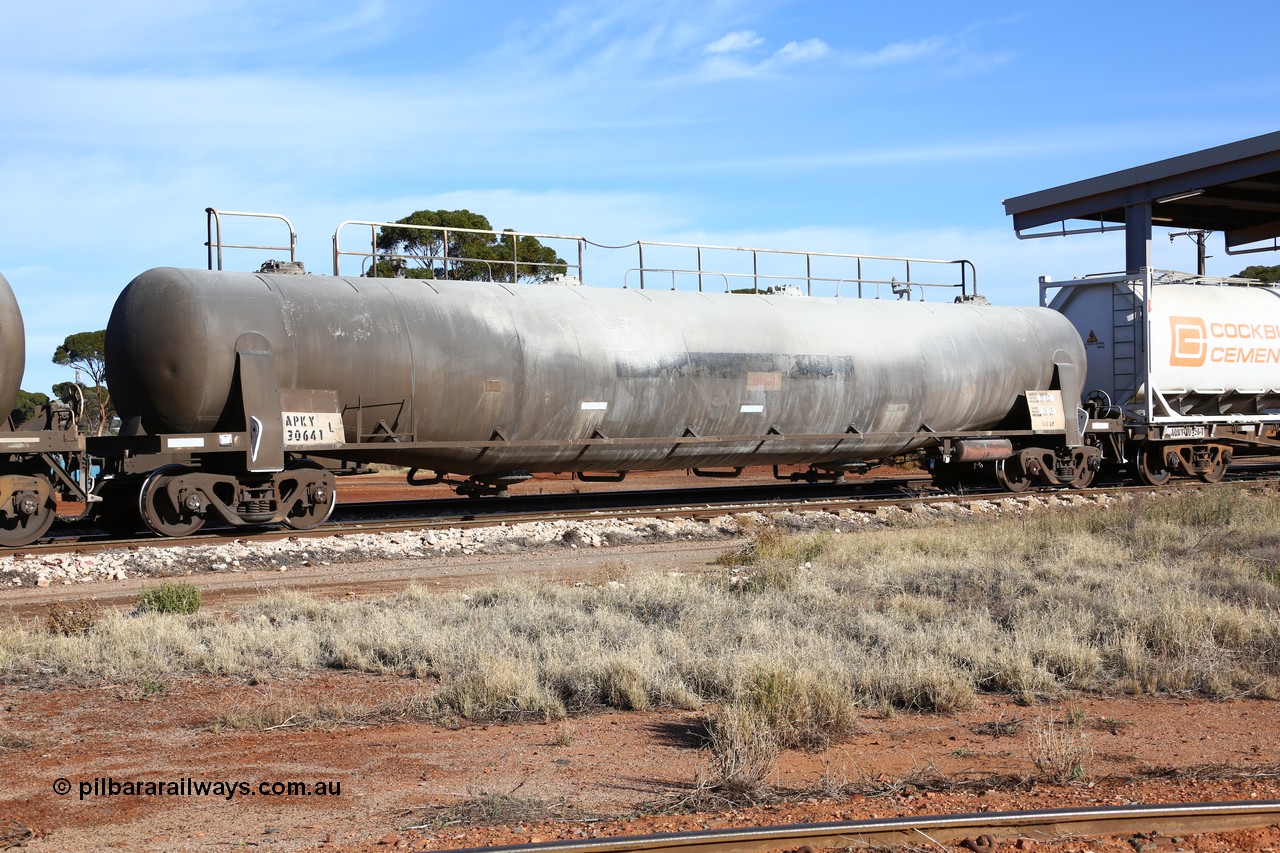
<point>1185,432</point>
<point>312,429</point>
<point>1047,412</point>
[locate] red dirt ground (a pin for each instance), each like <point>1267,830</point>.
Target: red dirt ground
<point>598,772</point>
<point>393,774</point>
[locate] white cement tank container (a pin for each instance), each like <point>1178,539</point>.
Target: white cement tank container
<point>1213,349</point>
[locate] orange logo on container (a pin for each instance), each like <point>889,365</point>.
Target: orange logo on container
<point>1190,342</point>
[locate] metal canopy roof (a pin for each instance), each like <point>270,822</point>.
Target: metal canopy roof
<point>1233,188</point>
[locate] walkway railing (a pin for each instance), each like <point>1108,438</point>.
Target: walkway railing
<point>674,266</point>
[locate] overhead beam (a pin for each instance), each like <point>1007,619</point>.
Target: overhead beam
<point>1252,234</point>
<point>1107,195</point>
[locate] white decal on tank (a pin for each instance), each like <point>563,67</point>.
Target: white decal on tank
<point>594,406</point>
<point>754,408</point>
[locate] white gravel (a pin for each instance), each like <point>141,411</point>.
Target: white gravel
<point>242,555</point>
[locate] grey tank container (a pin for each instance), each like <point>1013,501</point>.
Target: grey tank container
<point>13,349</point>
<point>469,361</point>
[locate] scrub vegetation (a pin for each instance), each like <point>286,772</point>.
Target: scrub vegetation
<point>179,597</point>
<point>785,642</point>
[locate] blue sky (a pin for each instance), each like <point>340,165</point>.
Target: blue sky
<point>884,128</point>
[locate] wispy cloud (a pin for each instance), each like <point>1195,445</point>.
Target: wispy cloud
<point>146,36</point>
<point>734,55</point>
<point>968,150</point>
<point>735,41</point>
<point>728,64</point>
<point>802,51</point>
<point>897,53</point>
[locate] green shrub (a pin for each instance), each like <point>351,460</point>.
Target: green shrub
<point>170,598</point>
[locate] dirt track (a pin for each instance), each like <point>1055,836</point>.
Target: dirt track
<point>222,591</point>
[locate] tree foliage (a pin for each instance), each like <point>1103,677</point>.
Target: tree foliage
<point>1268,275</point>
<point>463,255</point>
<point>86,352</point>
<point>27,405</point>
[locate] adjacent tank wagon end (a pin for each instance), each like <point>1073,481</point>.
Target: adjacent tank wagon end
<point>42,460</point>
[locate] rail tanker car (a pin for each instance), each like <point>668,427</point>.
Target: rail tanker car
<point>227,383</point>
<point>497,381</point>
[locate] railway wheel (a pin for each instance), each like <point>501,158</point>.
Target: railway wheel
<point>318,499</point>
<point>157,508</point>
<point>1150,467</point>
<point>29,517</point>
<point>1011,476</point>
<point>1221,460</point>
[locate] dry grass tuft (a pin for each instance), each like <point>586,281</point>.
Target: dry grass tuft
<point>509,695</point>
<point>71,619</point>
<point>743,752</point>
<point>801,710</point>
<point>12,741</point>
<point>492,807</point>
<point>929,779</point>
<point>773,544</point>
<point>1059,751</point>
<point>999,728</point>
<point>286,712</point>
<point>14,833</point>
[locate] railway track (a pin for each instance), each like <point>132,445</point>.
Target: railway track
<point>698,503</point>
<point>978,832</point>
<point>435,513</point>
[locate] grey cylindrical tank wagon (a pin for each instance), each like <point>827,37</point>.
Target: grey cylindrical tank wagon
<point>41,458</point>
<point>560,378</point>
<point>13,347</point>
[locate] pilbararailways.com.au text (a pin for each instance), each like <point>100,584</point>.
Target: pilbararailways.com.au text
<point>106,786</point>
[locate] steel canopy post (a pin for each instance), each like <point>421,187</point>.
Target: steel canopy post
<point>1148,391</point>
<point>1137,237</point>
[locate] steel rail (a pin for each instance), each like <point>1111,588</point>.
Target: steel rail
<point>440,512</point>
<point>1039,825</point>
<point>692,510</point>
